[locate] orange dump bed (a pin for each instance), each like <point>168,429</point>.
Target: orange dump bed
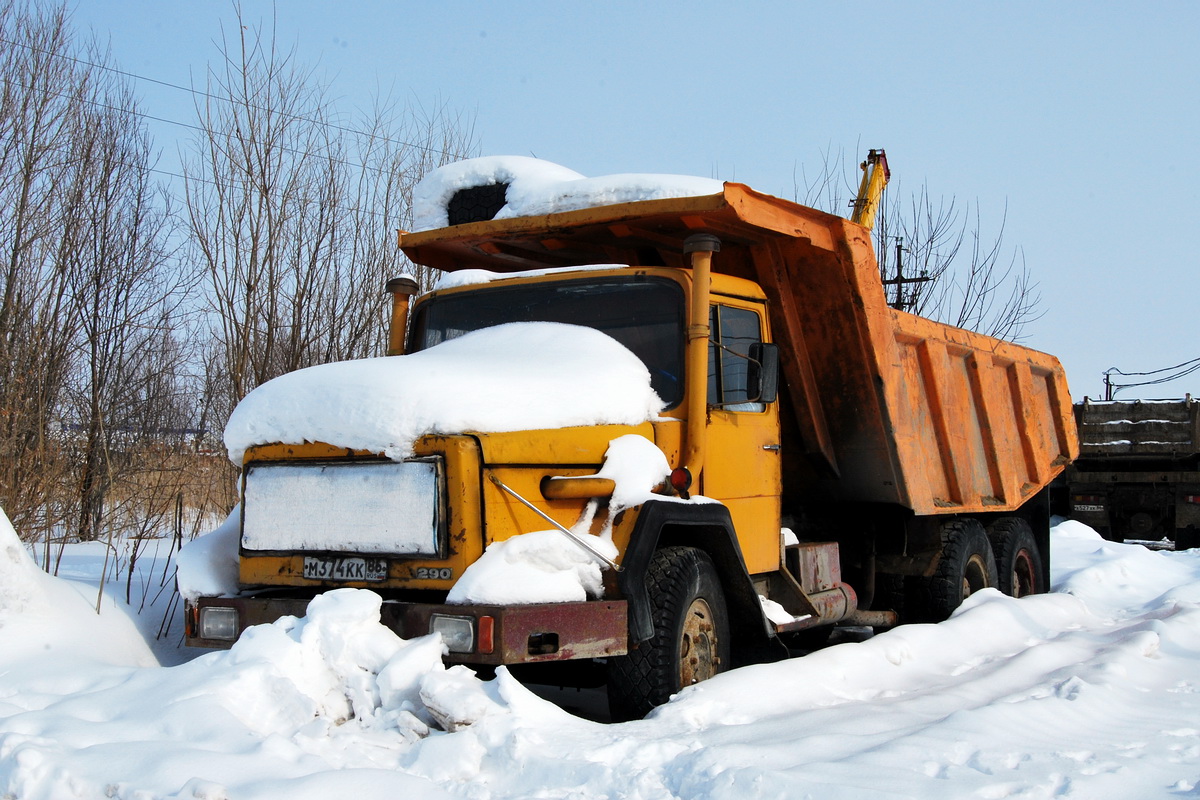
<point>880,405</point>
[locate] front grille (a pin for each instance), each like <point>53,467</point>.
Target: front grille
<point>361,507</point>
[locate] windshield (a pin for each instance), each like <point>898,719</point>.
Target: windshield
<point>645,314</point>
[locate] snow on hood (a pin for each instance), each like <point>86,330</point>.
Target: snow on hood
<point>475,277</point>
<point>542,187</point>
<point>519,376</point>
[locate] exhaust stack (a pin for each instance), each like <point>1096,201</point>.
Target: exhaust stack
<point>401,289</point>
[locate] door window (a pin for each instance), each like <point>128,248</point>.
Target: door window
<point>733,331</point>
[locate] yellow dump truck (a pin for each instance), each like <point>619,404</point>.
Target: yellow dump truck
<point>868,466</point>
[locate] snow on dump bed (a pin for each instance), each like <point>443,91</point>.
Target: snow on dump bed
<point>542,187</point>
<point>520,376</point>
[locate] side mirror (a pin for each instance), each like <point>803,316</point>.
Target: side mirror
<point>762,380</point>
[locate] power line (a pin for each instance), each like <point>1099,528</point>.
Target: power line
<point>196,178</point>
<point>210,182</point>
<point>201,129</point>
<point>1190,361</point>
<point>1178,371</point>
<point>201,93</point>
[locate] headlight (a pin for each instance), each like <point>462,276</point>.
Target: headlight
<point>218,622</point>
<point>457,632</point>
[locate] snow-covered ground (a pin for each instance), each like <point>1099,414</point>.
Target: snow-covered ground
<point>1091,691</point>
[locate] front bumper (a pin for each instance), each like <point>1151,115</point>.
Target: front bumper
<point>516,634</point>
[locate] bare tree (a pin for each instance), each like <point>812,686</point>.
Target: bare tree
<point>293,215</point>
<point>89,301</point>
<point>42,93</point>
<point>934,256</point>
<point>126,294</point>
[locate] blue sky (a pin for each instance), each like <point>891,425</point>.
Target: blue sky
<point>1081,118</point>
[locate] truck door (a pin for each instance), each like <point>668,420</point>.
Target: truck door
<point>742,463</point>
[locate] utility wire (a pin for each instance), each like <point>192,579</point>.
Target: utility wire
<point>1178,371</point>
<point>202,93</point>
<point>196,178</point>
<point>1190,361</point>
<point>201,129</point>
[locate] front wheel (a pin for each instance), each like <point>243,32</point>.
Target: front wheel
<point>691,635</point>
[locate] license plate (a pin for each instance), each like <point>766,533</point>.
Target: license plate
<point>345,569</point>
<point>1086,507</point>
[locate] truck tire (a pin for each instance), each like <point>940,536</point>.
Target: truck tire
<point>1018,560</point>
<point>967,565</point>
<point>691,635</point>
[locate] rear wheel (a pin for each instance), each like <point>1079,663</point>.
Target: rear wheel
<point>1018,560</point>
<point>691,635</point>
<point>966,566</point>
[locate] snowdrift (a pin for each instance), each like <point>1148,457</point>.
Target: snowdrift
<point>1089,691</point>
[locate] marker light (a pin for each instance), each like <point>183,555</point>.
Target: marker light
<point>681,481</point>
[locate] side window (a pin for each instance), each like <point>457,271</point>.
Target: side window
<point>733,331</point>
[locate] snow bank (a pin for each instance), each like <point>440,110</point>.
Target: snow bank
<point>19,583</point>
<point>333,688</point>
<point>339,664</point>
<point>520,376</point>
<point>541,187</point>
<point>1090,691</point>
<point>53,621</point>
<point>1117,579</point>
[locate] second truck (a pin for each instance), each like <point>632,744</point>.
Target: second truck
<point>832,460</point>
<point>1138,472</point>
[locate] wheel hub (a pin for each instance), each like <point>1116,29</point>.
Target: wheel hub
<point>698,659</point>
<point>1023,579</point>
<point>975,576</point>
